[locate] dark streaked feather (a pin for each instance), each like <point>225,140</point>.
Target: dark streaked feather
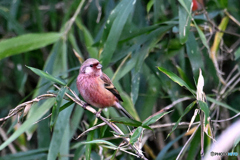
<point>109,86</point>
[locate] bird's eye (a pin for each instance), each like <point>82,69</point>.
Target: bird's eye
<point>91,65</point>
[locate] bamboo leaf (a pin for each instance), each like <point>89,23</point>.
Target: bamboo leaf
<point>27,42</point>
<point>189,107</point>
<point>176,79</point>
<point>29,122</point>
<point>47,76</point>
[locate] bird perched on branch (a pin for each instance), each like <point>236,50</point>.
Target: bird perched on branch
<point>96,87</point>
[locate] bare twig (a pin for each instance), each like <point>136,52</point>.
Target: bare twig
<point>70,22</point>
<point>175,102</point>
<point>231,17</point>
<point>188,141</point>
<point>111,125</point>
<point>21,107</point>
<point>99,11</point>
<point>224,120</point>
<point>172,124</point>
<point>4,136</point>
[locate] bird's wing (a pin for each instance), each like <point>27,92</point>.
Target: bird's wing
<point>109,86</point>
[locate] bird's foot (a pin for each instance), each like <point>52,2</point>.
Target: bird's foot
<point>98,114</point>
<point>85,105</point>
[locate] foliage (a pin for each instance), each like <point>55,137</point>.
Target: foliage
<point>152,51</point>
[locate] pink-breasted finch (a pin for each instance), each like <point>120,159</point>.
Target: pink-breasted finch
<point>96,87</point>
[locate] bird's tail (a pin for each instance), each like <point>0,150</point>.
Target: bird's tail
<point>123,111</point>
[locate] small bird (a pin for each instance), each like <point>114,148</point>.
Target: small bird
<point>96,87</point>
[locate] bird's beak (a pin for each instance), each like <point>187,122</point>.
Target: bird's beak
<point>99,66</point>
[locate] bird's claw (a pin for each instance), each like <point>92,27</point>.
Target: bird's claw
<point>85,105</point>
<point>98,114</point>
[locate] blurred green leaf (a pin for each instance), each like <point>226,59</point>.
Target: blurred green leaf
<point>88,39</point>
<point>202,36</point>
<point>184,21</point>
<point>184,77</point>
<point>192,152</point>
<point>222,104</point>
<point>149,5</point>
<point>167,147</point>
<point>56,108</point>
<point>154,118</point>
<point>58,132</point>
<point>136,135</point>
<point>237,53</point>
<point>189,107</point>
<point>27,155</point>
<point>126,121</point>
<point>29,122</point>
<point>123,10</point>
<point>194,55</point>
<point>204,107</point>
<point>13,24</point>
<point>47,76</point>
<point>176,79</point>
<point>26,43</point>
<point>89,145</point>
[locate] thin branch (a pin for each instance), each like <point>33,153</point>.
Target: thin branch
<point>231,17</point>
<point>20,107</point>
<point>72,20</point>
<point>172,124</point>
<point>228,119</point>
<point>111,125</point>
<point>175,102</point>
<point>99,11</point>
<point>188,141</point>
<point>10,145</point>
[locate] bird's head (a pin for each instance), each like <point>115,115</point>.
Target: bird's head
<point>91,67</point>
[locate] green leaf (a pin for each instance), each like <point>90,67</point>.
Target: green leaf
<point>126,121</point>
<point>176,79</point>
<point>47,76</point>
<point>237,53</point>
<point>167,147</point>
<point>154,118</point>
<point>184,21</point>
<point>184,77</point>
<point>29,122</point>
<point>192,152</point>
<point>11,20</point>
<point>222,104</point>
<point>60,128</point>
<point>194,55</point>
<point>122,11</point>
<point>93,142</point>
<point>27,155</point>
<point>149,5</point>
<point>189,107</point>
<point>202,36</point>
<point>88,39</point>
<point>26,43</point>
<point>89,145</point>
<point>205,109</point>
<point>136,135</point>
<point>56,108</point>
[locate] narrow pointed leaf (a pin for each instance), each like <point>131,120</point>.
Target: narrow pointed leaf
<point>47,76</point>
<point>136,135</point>
<point>189,107</point>
<point>176,79</point>
<point>26,43</point>
<point>154,118</point>
<point>126,121</point>
<point>29,122</point>
<point>205,109</point>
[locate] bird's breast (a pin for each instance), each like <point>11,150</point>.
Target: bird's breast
<point>93,91</point>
